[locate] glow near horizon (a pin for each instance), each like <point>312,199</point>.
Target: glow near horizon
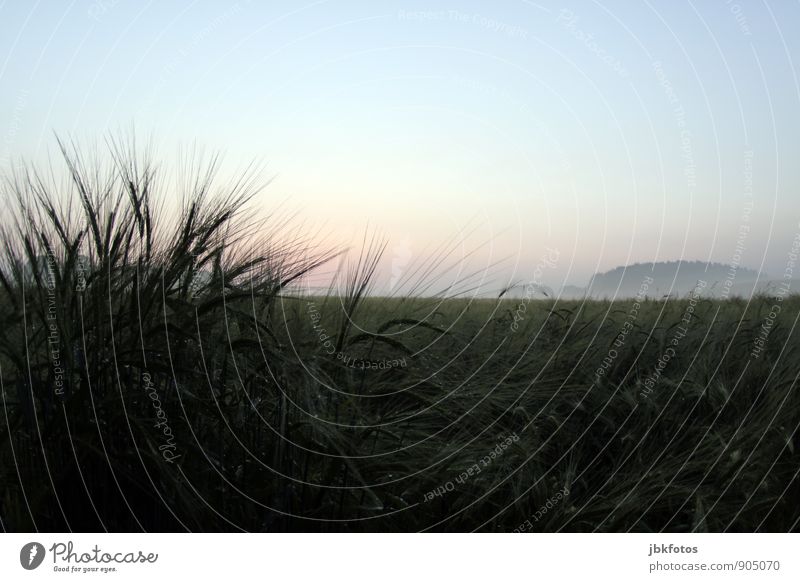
<point>428,119</point>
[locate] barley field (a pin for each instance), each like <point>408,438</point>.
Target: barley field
<point>170,373</point>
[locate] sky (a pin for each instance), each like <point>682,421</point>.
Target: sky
<point>513,135</point>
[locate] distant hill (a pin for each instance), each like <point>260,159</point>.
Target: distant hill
<point>675,278</point>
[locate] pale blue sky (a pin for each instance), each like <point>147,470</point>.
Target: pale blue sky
<point>536,124</point>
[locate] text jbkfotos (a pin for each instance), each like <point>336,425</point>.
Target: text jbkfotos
<point>474,469</point>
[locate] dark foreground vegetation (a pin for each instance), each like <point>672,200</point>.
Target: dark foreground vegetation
<point>168,375</point>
